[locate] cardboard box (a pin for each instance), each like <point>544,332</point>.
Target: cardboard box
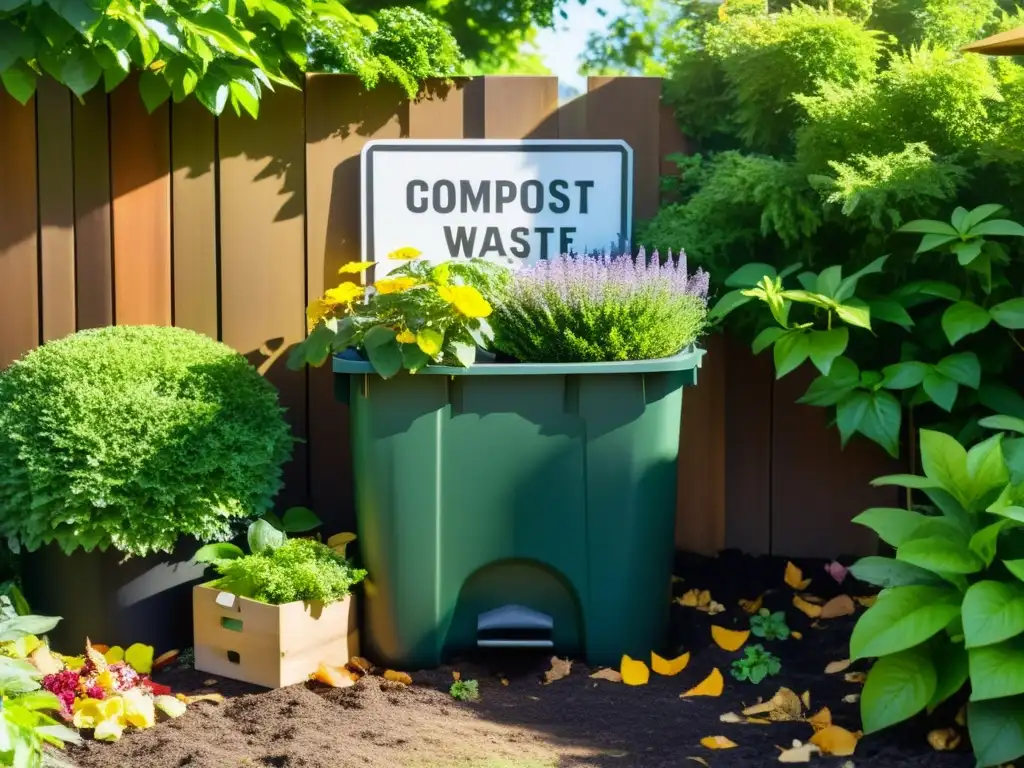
<point>270,645</point>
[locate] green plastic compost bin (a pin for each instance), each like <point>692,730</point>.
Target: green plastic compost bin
<point>516,505</point>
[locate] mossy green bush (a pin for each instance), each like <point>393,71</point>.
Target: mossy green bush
<point>131,437</point>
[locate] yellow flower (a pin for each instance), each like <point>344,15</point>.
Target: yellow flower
<point>404,254</point>
<point>139,709</point>
<point>89,713</point>
<point>406,337</point>
<point>466,299</point>
<point>317,310</point>
<point>345,293</point>
<point>355,267</point>
<point>394,284</point>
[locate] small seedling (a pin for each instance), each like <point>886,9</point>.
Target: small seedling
<point>770,626</point>
<point>756,664</point>
<point>465,690</point>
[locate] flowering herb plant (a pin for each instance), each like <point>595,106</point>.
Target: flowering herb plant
<point>419,314</point>
<point>580,308</point>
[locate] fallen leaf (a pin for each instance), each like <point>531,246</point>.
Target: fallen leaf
<point>700,760</point>
<point>752,606</point>
<point>855,677</point>
<point>114,655</point>
<point>812,598</point>
<point>213,698</point>
<point>559,668</point>
<point>165,659</point>
<point>170,706</point>
<point>796,635</point>
<point>100,647</point>
<point>634,672</point>
<point>209,681</point>
<point>851,698</point>
<point>669,667</point>
<point>397,677</point>
<point>805,699</point>
<point>837,571</point>
<point>44,661</point>
<point>835,741</point>
<point>961,715</point>
<point>729,639</point>
<point>817,625</point>
<point>713,609</point>
<point>795,577</point>
<point>837,666</point>
<point>717,742</point>
<point>783,706</point>
<point>140,658</point>
<point>731,717</point>
<point>340,541</point>
<point>336,677</point>
<point>359,665</point>
<point>821,720</point>
<point>943,739</point>
<point>758,721</point>
<point>456,675</point>
<point>838,606</point>
<point>504,681</point>
<point>712,685</point>
<point>611,675</point>
<point>798,753</point>
<point>809,609</point>
<point>865,601</point>
<point>695,598</point>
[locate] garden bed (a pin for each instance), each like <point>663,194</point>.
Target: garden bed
<point>573,721</point>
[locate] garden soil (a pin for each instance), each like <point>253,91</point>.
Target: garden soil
<point>520,722</point>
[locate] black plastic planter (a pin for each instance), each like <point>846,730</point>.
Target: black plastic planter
<point>141,600</point>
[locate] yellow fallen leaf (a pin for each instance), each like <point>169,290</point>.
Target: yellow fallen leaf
<point>139,709</point>
<point>165,659</point>
<point>783,706</point>
<point>835,741</point>
<point>170,706</point>
<point>139,658</point>
<point>634,672</point>
<point>717,742</point>
<point>336,677</point>
<point>798,753</point>
<point>213,698</point>
<point>837,666</point>
<point>713,608</point>
<point>821,720</point>
<point>795,577</point>
<point>340,541</point>
<point>865,601</point>
<point>700,760</point>
<point>397,677</point>
<point>805,607</point>
<point>805,699</point>
<point>359,665</point>
<point>100,647</point>
<point>704,598</point>
<point>456,675</point>
<point>838,606</point>
<point>731,717</point>
<point>729,639</point>
<point>669,667</point>
<point>114,655</point>
<point>796,635</point>
<point>611,675</point>
<point>504,681</point>
<point>943,739</point>
<point>851,698</point>
<point>758,721</point>
<point>689,598</point>
<point>752,606</point>
<point>712,685</point>
<point>812,598</point>
<point>855,677</point>
<point>559,668</point>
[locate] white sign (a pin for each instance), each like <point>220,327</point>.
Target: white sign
<point>514,202</point>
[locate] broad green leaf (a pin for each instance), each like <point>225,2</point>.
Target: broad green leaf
<point>1001,399</point>
<point>998,227</point>
<point>929,226</point>
<point>849,285</point>
<point>887,572</point>
<point>904,375</point>
<point>997,671</point>
<point>464,353</point>
<point>825,346</point>
<point>938,289</point>
<point>891,312</point>
<point>1009,314</point>
<point>984,542</point>
<point>386,357</point>
<point>1006,423</point>
<point>730,301</point>
<point>212,94</point>
<point>892,524</point>
<point>808,297</point>
<point>750,275</point>
<point>997,730</point>
<point>300,520</point>
<point>941,389</point>
<point>855,314</point>
<point>430,341</point>
<point>963,319</point>
<point>245,95</point>
<point>221,550</point>
<point>906,481</point>
<point>957,219</point>
<point>14,45</point>
<point>1016,567</point>
<point>967,252</point>
<point>1009,504</point>
<point>829,390</point>
<point>940,554</point>
<point>963,368</point>
<point>20,82</point>
<point>979,214</point>
<point>377,336</point>
<point>881,421</point>
<point>413,358</point>
<point>81,72</point>
<point>19,626</point>
<point>790,351</point>
<point>993,611</point>
<point>154,90</point>
<point>944,460</point>
<point>766,338</point>
<point>78,13</point>
<point>850,413</point>
<point>828,280</point>
<point>932,241</point>
<point>897,688</point>
<point>264,537</point>
<point>986,468</point>
<point>951,667</point>
<point>1013,453</point>
<point>902,618</point>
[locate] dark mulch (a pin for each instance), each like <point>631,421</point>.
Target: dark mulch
<point>574,722</point>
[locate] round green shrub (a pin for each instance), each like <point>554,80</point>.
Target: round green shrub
<point>131,437</point>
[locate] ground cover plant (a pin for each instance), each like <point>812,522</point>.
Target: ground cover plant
<point>132,437</point>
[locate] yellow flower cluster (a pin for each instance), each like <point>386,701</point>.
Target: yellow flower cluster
<point>466,299</point>
<point>111,715</point>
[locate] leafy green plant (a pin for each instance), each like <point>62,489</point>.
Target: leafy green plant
<point>421,313</point>
<point>132,437</point>
<point>465,690</point>
<point>756,664</point>
<point>952,611</point>
<point>770,626</point>
<point>298,569</point>
<point>269,532</point>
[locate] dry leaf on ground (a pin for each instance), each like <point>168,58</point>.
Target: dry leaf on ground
<point>855,677</point>
<point>838,606</point>
<point>700,760</point>
<point>359,665</point>
<point>835,741</point>
<point>634,672</point>
<point>783,706</point>
<point>504,681</point>
<point>608,674</point>
<point>805,607</point>
<point>821,719</point>
<point>397,677</point>
<point>456,675</point>
<point>336,677</point>
<point>798,753</point>
<point>695,598</point>
<point>796,635</point>
<point>865,601</point>
<point>713,609</point>
<point>794,577</point>
<point>731,717</point>
<point>669,667</point>
<point>752,606</point>
<point>851,698</point>
<point>943,739</point>
<point>729,639</point>
<point>712,685</point>
<point>559,668</point>
<point>805,699</point>
<point>837,666</point>
<point>717,742</point>
<point>213,698</point>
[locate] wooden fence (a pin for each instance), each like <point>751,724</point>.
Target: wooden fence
<point>229,226</point>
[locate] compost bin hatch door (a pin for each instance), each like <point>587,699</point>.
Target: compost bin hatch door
<point>514,626</point>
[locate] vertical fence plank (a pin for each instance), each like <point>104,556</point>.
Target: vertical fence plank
<point>439,112</point>
<point>93,264</point>
<point>520,107</point>
<point>194,213</point>
<point>340,118</point>
<point>56,209</point>
<point>19,309</point>
<point>262,253</point>
<point>140,177</point>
